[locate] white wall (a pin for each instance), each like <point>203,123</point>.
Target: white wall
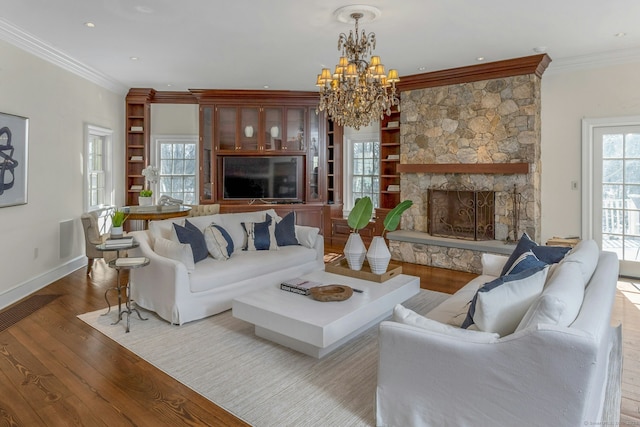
<point>174,119</point>
<point>567,97</point>
<point>58,104</point>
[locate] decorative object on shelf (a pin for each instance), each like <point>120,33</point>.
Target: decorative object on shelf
<point>144,199</point>
<point>358,92</point>
<point>248,131</point>
<point>359,217</point>
<point>378,254</point>
<point>151,175</point>
<point>14,131</point>
<point>275,132</point>
<point>117,220</point>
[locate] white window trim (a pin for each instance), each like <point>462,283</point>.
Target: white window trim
<point>90,129</point>
<point>156,140</point>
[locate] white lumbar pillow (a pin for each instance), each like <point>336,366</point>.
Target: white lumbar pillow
<point>500,305</point>
<point>404,315</point>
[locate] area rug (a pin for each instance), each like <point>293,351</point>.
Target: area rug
<point>261,382</point>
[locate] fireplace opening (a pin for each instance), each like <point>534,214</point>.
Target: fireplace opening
<point>461,214</point>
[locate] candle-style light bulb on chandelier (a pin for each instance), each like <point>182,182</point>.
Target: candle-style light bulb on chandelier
<point>358,92</point>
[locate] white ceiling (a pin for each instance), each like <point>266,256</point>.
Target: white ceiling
<point>283,44</point>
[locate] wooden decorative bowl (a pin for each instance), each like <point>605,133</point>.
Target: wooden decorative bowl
<point>331,293</point>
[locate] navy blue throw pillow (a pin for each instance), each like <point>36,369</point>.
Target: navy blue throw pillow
<point>550,254</point>
<point>193,236</point>
<point>286,230</point>
<point>525,244</point>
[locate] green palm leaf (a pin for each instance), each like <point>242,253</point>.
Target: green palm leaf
<point>360,215</point>
<point>392,220</point>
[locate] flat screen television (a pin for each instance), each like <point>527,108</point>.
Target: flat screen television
<point>276,178</point>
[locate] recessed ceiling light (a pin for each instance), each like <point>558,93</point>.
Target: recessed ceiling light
<point>133,58</point>
<point>540,49</point>
<point>620,34</point>
<point>422,68</point>
<point>89,24</point>
<point>169,85</point>
<point>480,58</point>
<point>266,86</point>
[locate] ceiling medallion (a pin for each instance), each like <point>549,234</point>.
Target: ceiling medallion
<point>358,92</point>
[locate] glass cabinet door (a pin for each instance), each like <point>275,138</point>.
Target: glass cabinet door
<point>313,166</point>
<point>295,129</point>
<point>273,128</point>
<point>207,153</point>
<point>226,129</point>
<point>249,128</point>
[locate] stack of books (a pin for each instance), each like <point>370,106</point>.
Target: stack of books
<point>127,262</point>
<point>119,243</point>
<point>299,286</point>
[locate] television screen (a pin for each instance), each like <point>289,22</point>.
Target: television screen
<point>267,177</point>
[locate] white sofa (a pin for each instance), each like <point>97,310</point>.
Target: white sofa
<point>552,370</point>
<point>178,296</point>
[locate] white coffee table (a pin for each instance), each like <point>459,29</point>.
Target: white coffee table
<point>317,328</point>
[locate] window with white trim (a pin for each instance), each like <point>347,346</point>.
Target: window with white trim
<point>362,165</point>
<point>178,160</point>
<point>98,165</point>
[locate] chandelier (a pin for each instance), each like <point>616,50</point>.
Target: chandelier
<point>358,92</point>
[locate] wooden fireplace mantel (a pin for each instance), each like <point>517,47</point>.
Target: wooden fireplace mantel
<point>469,168</point>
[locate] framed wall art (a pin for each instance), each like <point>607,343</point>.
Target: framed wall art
<point>14,135</point>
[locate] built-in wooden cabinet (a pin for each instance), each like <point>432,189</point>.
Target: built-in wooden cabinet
<point>138,110</point>
<point>389,160</point>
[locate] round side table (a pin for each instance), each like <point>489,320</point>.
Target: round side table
<point>120,264</point>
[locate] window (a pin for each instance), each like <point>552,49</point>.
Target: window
<point>362,165</point>
<point>98,174</point>
<point>178,165</point>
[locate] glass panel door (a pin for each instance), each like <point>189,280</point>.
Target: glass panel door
<point>619,170</point>
<point>249,125</point>
<point>273,129</point>
<point>295,129</point>
<point>226,129</point>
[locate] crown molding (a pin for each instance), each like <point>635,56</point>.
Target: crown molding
<point>25,41</point>
<point>604,59</point>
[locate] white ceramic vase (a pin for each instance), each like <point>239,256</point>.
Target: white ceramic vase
<point>144,201</point>
<point>275,132</point>
<point>355,252</point>
<point>378,255</point>
<point>116,231</point>
<point>248,131</point>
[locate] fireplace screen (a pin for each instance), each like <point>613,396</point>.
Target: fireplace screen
<point>459,214</point>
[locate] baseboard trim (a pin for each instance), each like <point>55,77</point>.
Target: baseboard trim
<point>36,283</point>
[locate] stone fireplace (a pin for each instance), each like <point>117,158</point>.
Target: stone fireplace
<point>479,135</point>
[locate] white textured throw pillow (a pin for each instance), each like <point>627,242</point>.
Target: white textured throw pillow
<point>501,309</point>
<point>175,250</point>
<point>586,254</point>
<point>307,235</point>
<point>404,315</point>
<point>561,299</point>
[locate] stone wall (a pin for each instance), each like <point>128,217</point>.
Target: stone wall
<point>489,121</point>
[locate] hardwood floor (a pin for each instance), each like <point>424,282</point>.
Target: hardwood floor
<point>56,370</point>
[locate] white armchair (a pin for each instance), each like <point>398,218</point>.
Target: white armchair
<point>96,225</point>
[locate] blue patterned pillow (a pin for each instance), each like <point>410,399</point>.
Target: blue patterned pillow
<point>286,230</point>
<point>219,242</point>
<point>261,235</point>
<point>193,236</point>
